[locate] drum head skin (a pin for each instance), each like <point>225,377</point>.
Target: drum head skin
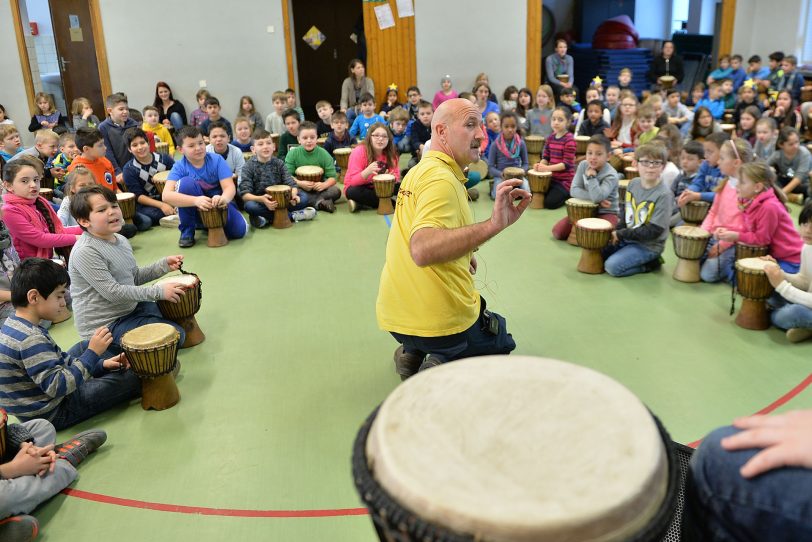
<point>581,202</point>
<point>149,335</point>
<point>186,280</point>
<point>278,188</point>
<point>120,196</point>
<point>342,150</point>
<point>309,170</point>
<point>753,264</point>
<point>691,232</point>
<point>384,177</point>
<point>595,224</point>
<point>517,448</point>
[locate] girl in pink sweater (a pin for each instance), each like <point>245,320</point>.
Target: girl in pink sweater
<point>35,229</point>
<point>375,156</point>
<point>766,220</point>
<point>725,215</point>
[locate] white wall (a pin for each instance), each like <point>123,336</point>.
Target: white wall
<point>12,91</point>
<point>762,27</point>
<point>449,40</point>
<point>228,47</point>
<point>653,19</point>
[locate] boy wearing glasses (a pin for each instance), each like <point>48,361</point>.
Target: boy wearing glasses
<point>321,194</point>
<point>639,241</point>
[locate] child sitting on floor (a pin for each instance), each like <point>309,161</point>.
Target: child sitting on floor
<point>508,150</point>
<point>83,116</point>
<point>152,124</point>
<point>321,194</point>
<point>41,380</point>
<point>138,174</point>
<point>559,158</point>
<point>10,142</point>
<point>242,134</point>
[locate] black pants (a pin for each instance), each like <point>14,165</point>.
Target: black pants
<point>556,196</point>
<point>366,196</point>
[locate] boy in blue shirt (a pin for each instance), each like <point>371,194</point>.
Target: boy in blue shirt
<point>201,180</point>
<point>367,118</point>
<point>714,101</point>
<point>708,176</point>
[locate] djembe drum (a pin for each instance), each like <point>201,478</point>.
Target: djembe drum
<point>47,193</point>
<point>321,141</point>
<point>728,116</point>
<point>539,186</point>
<point>667,81</point>
<point>214,220</point>
<point>592,234</point>
<point>159,181</point>
<point>152,350</point>
<point>535,146</point>
<point>694,212</point>
<point>743,250</point>
<point>622,186</point>
<point>564,78</point>
<point>513,173</point>
<point>572,456</point>
<point>342,157</point>
<point>281,193</point>
<point>690,243</point>
<point>576,210</point>
<point>384,184</point>
<point>162,148</point>
<point>126,201</point>
<point>728,128</point>
<point>183,312</point>
<point>581,143</point>
<point>754,287</point>
<point>631,172</point>
<point>806,94</point>
<point>275,139</point>
<point>309,173</point>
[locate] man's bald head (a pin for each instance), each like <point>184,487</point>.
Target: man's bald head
<point>456,109</point>
<point>456,131</point>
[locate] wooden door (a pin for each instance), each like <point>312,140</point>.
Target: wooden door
<point>322,70</point>
<point>76,49</point>
<point>392,54</point>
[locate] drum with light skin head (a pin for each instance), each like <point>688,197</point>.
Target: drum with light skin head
<point>667,81</point>
<point>183,312</point>
<point>754,287</point>
<point>690,243</point>
<point>384,184</point>
<point>548,451</point>
<point>592,234</point>
<point>342,157</point>
<point>694,212</point>
<point>728,128</point>
<point>535,146</point>
<point>281,193</point>
<point>159,181</point>
<point>539,186</point>
<point>126,201</point>
<point>309,173</point>
<point>162,148</point>
<point>576,210</point>
<point>152,352</point>
<point>622,186</point>
<point>47,193</point>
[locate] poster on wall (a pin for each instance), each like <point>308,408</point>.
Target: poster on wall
<point>405,8</point>
<point>386,19</point>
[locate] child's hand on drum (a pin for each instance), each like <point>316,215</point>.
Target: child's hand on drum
<point>687,196</point>
<point>307,185</point>
<point>218,201</point>
<point>172,291</point>
<point>724,234</point>
<point>116,363</point>
<point>100,340</point>
<point>541,166</point>
<point>774,274</point>
<point>167,210</point>
<point>270,203</point>
<point>203,203</point>
<point>605,204</point>
<point>174,262</point>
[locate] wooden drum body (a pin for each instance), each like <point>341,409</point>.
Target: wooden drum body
<point>282,194</point>
<point>384,184</point>
<point>690,243</point>
<point>214,221</point>
<point>126,201</point>
<point>667,81</point>
<point>694,212</point>
<point>743,250</point>
<point>608,474</point>
<point>564,78</point>
<point>535,146</point>
<point>162,148</point>
<point>576,210</point>
<point>539,186</point>
<point>159,181</point>
<point>728,128</point>
<point>183,312</point>
<point>47,193</point>
<point>592,234</point>
<point>342,157</point>
<point>622,186</point>
<point>309,173</point>
<point>755,288</point>
<point>630,173</point>
<point>581,143</point>
<point>153,354</point>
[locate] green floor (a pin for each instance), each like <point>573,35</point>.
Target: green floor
<point>293,362</point>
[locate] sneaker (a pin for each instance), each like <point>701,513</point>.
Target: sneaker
<point>171,221</point>
<point>308,213</point>
<point>798,334</point>
<point>128,230</point>
<point>75,450</point>
<point>406,364</point>
<point>353,205</point>
<point>655,265</point>
<point>258,222</point>
<point>326,205</point>
<point>19,528</point>
<point>430,362</point>
<point>473,193</point>
<point>186,242</point>
<point>796,198</point>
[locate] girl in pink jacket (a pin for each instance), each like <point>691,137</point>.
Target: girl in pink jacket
<point>766,220</point>
<point>34,226</point>
<point>376,155</point>
<point>724,215</point>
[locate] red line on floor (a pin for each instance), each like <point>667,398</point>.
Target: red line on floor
<point>781,401</point>
<point>206,511</point>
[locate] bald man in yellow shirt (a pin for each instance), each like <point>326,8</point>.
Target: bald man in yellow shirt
<point>426,298</point>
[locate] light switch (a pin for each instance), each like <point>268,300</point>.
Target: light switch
<point>202,83</point>
<point>270,29</point>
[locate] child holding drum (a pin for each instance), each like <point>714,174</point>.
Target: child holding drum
<point>138,174</point>
<point>704,186</point>
<point>108,287</point>
<point>640,238</point>
<point>507,150</point>
<point>595,180</point>
<point>766,221</point>
<point>42,381</point>
<point>321,194</point>
<point>375,156</point>
<point>559,158</point>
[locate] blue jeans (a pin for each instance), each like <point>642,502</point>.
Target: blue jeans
<point>153,213</point>
<point>255,208</point>
<point>721,505</point>
<point>235,228</point>
<point>626,259</point>
<point>719,268</point>
<point>176,120</point>
<point>498,180</point>
<point>787,315</point>
<point>475,341</point>
<point>142,221</point>
<point>146,312</point>
<point>96,395</point>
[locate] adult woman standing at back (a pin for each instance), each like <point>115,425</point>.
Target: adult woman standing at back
<point>354,87</point>
<point>667,63</point>
<point>170,112</point>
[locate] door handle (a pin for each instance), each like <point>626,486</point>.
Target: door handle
<point>335,54</point>
<point>63,62</point>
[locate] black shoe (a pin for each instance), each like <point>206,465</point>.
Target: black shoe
<point>186,242</point>
<point>326,205</point>
<point>19,528</point>
<point>655,265</point>
<point>128,230</point>
<point>75,450</point>
<point>259,222</point>
<point>406,364</point>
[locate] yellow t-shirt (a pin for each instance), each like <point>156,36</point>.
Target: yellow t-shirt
<point>161,133</point>
<point>435,300</point>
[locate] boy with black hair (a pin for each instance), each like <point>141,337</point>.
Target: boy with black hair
<point>755,70</point>
<point>594,124</point>
<point>776,72</point>
<point>321,195</point>
<point>112,129</point>
<point>107,286</point>
<point>138,174</point>
<point>567,99</point>
<point>413,98</point>
<point>201,180</point>
<point>290,138</point>
<point>41,381</point>
<point>366,117</point>
<point>213,111</point>
<point>691,158</point>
